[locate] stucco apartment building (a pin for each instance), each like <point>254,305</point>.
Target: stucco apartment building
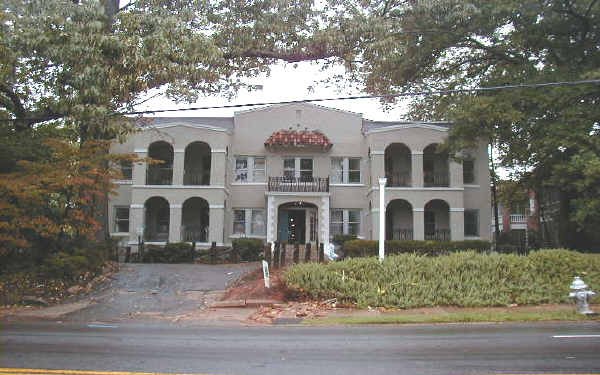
<point>296,173</point>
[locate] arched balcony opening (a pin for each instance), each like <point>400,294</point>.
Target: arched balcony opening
<point>399,220</point>
<point>195,220</point>
<point>197,164</point>
<point>156,220</point>
<point>161,173</point>
<point>398,165</point>
<point>435,167</point>
<point>437,220</point>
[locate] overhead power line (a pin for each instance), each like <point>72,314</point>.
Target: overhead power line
<point>355,97</point>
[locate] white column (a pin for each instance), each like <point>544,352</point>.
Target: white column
<point>382,182</point>
<point>178,166</point>
<point>324,217</point>
<point>175,223</point>
<point>136,221</point>
<point>271,219</point>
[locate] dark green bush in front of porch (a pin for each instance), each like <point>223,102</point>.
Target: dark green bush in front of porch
<point>367,248</point>
<point>178,252</point>
<point>248,249</point>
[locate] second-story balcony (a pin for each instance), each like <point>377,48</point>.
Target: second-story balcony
<point>398,179</point>
<point>196,177</point>
<point>518,219</point>
<point>436,179</point>
<point>298,184</point>
<point>159,175</point>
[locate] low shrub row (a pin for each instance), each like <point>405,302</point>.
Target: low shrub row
<point>249,249</point>
<point>176,252</point>
<point>244,249</point>
<point>467,279</point>
<point>367,248</point>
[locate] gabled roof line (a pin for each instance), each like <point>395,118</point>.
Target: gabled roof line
<point>298,103</point>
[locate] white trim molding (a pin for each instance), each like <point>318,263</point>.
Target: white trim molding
<point>194,126</point>
<point>407,126</point>
<point>136,206</point>
<point>349,185</point>
<point>218,151</point>
<point>216,206</point>
<point>179,151</point>
<point>175,206</point>
<point>248,184</point>
<point>123,182</point>
<point>418,209</point>
<point>119,234</point>
<point>140,151</point>
<point>457,209</point>
<point>180,187</point>
<point>377,152</point>
<point>298,194</point>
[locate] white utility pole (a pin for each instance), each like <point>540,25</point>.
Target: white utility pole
<point>382,182</point>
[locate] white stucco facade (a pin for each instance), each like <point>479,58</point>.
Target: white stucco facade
<point>219,180</point>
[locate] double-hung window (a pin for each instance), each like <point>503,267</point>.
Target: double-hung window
<point>249,169</point>
<point>121,219</point>
<point>344,221</point>
<point>471,223</point>
<point>301,168</point>
<point>345,170</point>
<point>468,171</point>
<point>249,222</point>
<point>126,169</point>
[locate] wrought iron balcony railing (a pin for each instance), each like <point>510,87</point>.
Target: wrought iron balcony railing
<point>196,177</point>
<point>436,179</point>
<point>299,185</point>
<point>194,234</point>
<point>401,179</point>
<point>156,235</point>
<point>159,176</point>
<point>401,234</point>
<point>438,235</point>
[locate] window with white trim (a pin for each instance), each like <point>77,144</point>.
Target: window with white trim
<point>126,167</point>
<point>249,222</point>
<point>121,219</point>
<point>298,168</point>
<point>249,169</point>
<point>345,170</point>
<point>344,221</point>
<point>468,171</point>
<point>471,223</point>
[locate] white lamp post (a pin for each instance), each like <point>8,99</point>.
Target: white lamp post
<point>382,182</point>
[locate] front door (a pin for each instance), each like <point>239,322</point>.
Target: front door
<point>297,226</point>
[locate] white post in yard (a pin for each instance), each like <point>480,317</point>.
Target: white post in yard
<point>382,182</point>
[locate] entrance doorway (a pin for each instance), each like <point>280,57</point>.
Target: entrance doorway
<point>297,223</point>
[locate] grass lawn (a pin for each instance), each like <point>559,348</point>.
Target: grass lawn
<point>459,317</point>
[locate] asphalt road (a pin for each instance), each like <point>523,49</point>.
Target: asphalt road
<point>440,349</point>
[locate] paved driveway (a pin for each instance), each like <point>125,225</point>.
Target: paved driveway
<point>159,291</point>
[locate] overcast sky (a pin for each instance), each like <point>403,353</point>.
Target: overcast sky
<point>285,83</point>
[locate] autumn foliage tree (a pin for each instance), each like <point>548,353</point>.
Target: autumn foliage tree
<point>48,205</point>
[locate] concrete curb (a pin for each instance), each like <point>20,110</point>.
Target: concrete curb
<point>246,303</point>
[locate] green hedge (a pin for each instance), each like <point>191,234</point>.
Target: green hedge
<point>460,279</point>
<point>177,252</point>
<point>249,249</point>
<point>366,248</point>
